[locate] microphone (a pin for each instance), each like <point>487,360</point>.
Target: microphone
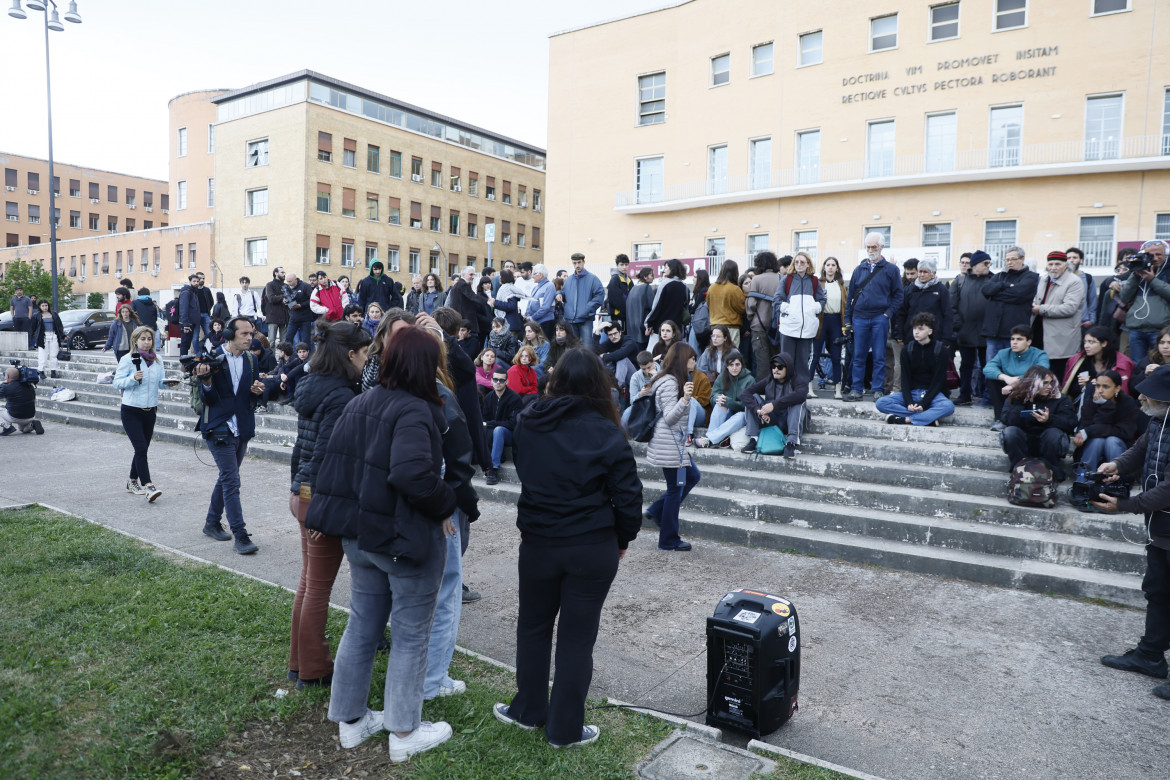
<point>137,361</point>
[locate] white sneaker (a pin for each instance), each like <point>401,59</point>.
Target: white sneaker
<point>425,737</point>
<point>454,689</point>
<point>133,487</point>
<point>151,492</point>
<point>354,734</point>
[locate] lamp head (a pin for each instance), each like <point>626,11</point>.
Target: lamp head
<point>54,22</point>
<point>16,12</point>
<point>71,15</point>
<point>36,5</point>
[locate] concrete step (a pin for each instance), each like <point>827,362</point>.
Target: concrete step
<point>876,428</point>
<point>171,404</point>
<point>964,416</point>
<point>911,454</point>
<point>978,566</point>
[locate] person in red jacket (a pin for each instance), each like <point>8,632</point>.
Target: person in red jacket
<point>326,299</point>
<point>522,375</point>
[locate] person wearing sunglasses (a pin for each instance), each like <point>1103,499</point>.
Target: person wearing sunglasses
<point>500,408</point>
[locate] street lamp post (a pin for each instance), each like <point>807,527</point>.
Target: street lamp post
<point>51,23</point>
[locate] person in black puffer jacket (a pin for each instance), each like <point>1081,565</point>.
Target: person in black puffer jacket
<point>380,489</point>
<point>319,399</point>
<point>1041,433</point>
<point>580,507</point>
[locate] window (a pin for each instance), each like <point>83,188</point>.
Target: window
<point>1166,122</point>
<point>879,148</point>
<point>413,259</point>
<point>937,234</point>
<point>210,138</point>
<point>436,219</point>
<point>436,174</point>
<point>1162,226</point>
<point>521,240</point>
<point>538,204</point>
<point>757,243</point>
<point>472,226</point>
<point>652,99</point>
<point>998,235</point>
<point>190,255</point>
<point>434,265</point>
<point>416,169</point>
<point>1006,129</point>
<point>456,180</point>
<point>112,194</point>
<point>523,197</point>
<point>256,251</point>
<point>178,256</point>
<point>883,33</point>
<point>760,162</point>
<point>182,142</point>
<point>1109,6</point>
<point>324,196</point>
<point>371,207</point>
<point>95,192</point>
<point>720,247</point>
<point>148,200</point>
<point>395,211</point>
<point>720,70</point>
<point>396,164</point>
<point>392,258</point>
<point>211,192</point>
<point>506,193</point>
<point>415,214</point>
<point>147,224</point>
<point>811,52</point>
<point>648,176</point>
<point>130,225</point>
<point>256,202</point>
<point>490,189</point>
<point>75,219</point>
<point>324,146</point>
<point>96,264</point>
<point>373,159</point>
<point>75,188</point>
<point>805,241</point>
<point>11,178</point>
<point>181,195</point>
<point>1010,14</point>
<point>346,253</point>
<point>157,257</point>
<point>808,157</point>
<point>322,250</point>
<point>1096,240</point>
<point>761,59</point>
<point>105,262</point>
<point>111,224</point>
<point>647,251</point>
<point>1103,127</point>
<point>944,22</point>
<point>93,223</point>
<point>535,237</point>
<point>34,214</point>
<point>453,223</point>
<point>941,132</point>
<point>371,253</point>
<point>118,263</point>
<point>349,153</point>
<point>473,184</point>
<point>716,169</point>
<point>348,201</point>
<point>131,198</point>
<point>505,232</point>
<point>257,153</point>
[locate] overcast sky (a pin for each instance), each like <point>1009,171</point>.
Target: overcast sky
<point>484,63</point>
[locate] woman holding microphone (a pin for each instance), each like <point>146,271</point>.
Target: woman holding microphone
<point>139,376</point>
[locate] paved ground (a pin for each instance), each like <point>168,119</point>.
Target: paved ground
<point>904,676</point>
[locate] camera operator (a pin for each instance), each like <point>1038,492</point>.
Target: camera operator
<point>20,405</point>
<point>1038,420</point>
<point>1147,295</point>
<point>1147,459</point>
<point>300,314</point>
<point>227,424</point>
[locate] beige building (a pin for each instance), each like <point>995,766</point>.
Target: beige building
<point>946,126</point>
<point>313,173</point>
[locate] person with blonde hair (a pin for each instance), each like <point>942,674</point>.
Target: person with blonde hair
<point>139,376</point>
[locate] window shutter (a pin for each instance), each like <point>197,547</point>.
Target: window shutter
<point>507,188</point>
<point>322,241</point>
<point>436,166</point>
<point>415,210</point>
<point>324,141</point>
<point>350,145</point>
<point>325,188</point>
<point>348,197</point>
<point>95,191</point>
<point>396,203</point>
<point>454,171</point>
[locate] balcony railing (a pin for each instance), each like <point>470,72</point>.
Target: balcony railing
<point>972,160</point>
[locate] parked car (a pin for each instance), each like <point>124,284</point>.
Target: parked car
<point>6,320</point>
<point>85,328</point>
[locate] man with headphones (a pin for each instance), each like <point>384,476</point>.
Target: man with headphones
<point>228,423</point>
<point>1147,459</point>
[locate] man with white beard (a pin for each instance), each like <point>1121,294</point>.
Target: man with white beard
<point>1147,460</point>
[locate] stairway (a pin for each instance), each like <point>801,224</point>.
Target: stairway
<point>927,500</point>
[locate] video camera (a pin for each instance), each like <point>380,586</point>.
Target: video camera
<point>28,376</point>
<point>190,362</point>
<point>1139,262</point>
<point>1089,485</point>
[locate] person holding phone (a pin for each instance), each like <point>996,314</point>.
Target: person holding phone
<point>139,376</point>
<point>1038,420</point>
<point>672,396</point>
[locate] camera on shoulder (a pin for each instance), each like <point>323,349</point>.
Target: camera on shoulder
<point>28,376</point>
<point>190,362</point>
<point>1140,262</point>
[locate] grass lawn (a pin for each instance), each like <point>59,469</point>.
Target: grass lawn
<point>119,662</point>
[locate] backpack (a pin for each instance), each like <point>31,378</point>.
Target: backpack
<point>701,319</point>
<point>644,416</point>
<point>172,311</point>
<point>788,284</point>
<point>1032,484</point>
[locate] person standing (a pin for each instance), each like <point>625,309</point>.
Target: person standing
<point>618,291</point>
<point>48,335</point>
<point>189,319</point>
<point>228,423</point>
<point>275,308</point>
<point>670,301</point>
<point>248,304</point>
<point>1146,293</point>
<point>758,308</point>
<point>672,391</point>
<point>21,308</point>
<point>578,511</point>
<point>638,304</point>
<point>460,297</point>
<point>725,300</point>
<point>1009,297</point>
<point>206,304</point>
<point>1057,308</point>
<point>327,299</point>
<point>581,294</point>
<point>875,293</point>
<point>300,315</point>
<point>968,311</point>
<point>1089,316</point>
<point>118,338</point>
<point>379,288</point>
<point>542,308</point>
<point>147,311</point>
<point>832,333</point>
<point>139,376</point>
<point>797,307</point>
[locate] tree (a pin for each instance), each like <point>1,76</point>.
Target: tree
<point>36,281</point>
<point>95,300</point>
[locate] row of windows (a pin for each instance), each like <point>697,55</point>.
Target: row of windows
<point>256,253</point>
<point>12,179</point>
<point>1103,140</point>
<point>943,24</point>
<point>182,140</point>
<point>12,214</point>
<point>149,260</point>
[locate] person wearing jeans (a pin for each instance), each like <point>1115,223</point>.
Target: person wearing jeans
<point>875,294</point>
<point>1108,423</point>
<point>500,408</point>
<point>666,449</point>
<point>445,628</point>
<point>922,399</point>
<point>727,411</point>
<point>664,511</point>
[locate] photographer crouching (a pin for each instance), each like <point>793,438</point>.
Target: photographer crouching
<point>229,384</point>
<point>1147,459</point>
<point>20,402</point>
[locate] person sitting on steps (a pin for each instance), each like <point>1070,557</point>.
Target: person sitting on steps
<point>922,399</point>
<point>1007,366</point>
<point>778,400</point>
<point>1038,420</point>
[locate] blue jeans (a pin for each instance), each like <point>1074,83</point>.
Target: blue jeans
<point>940,407</point>
<point>665,509</point>
<point>723,424</point>
<point>501,437</point>
<point>406,592</point>
<point>994,346</point>
<point>1141,343</point>
<point>584,331</point>
<point>445,629</point>
<point>830,329</point>
<point>225,496</point>
<point>869,335</point>
<point>300,331</point>
<point>694,415</point>
<point>205,324</point>
<point>1098,451</point>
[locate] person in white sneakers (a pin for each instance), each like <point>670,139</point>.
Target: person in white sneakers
<point>139,376</point>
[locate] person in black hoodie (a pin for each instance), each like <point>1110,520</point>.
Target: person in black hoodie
<point>922,397</point>
<point>462,371</point>
<point>334,382</point>
<point>380,489</point>
<point>615,348</point>
<point>379,288</point>
<point>580,507</point>
<point>1038,419</point>
<point>1109,422</point>
<point>1009,297</point>
<point>778,400</point>
<point>144,306</point>
<point>500,408</point>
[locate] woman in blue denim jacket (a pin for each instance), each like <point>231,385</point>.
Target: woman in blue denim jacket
<point>139,376</point>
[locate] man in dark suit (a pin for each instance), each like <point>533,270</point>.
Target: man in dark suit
<point>228,423</point>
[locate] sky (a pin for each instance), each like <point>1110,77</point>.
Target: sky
<point>113,74</point>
